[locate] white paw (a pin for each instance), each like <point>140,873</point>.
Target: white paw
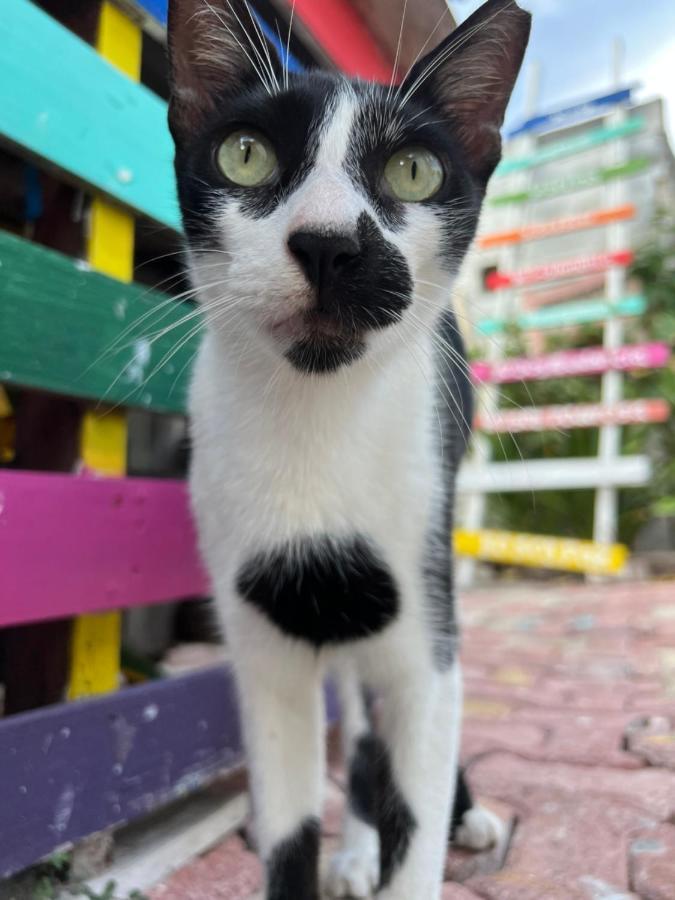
<point>354,873</point>
<point>480,829</point>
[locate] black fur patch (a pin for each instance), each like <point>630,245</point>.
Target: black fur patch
<point>376,799</point>
<point>293,868</point>
<point>454,404</point>
<point>322,590</point>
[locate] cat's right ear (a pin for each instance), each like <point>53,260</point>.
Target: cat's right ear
<point>215,47</point>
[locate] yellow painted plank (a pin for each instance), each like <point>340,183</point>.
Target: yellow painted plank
<point>539,551</point>
<point>95,655</point>
<point>96,644</point>
<point>110,245</point>
<point>7,428</point>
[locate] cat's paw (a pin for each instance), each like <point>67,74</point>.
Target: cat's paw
<point>353,873</point>
<point>480,829</point>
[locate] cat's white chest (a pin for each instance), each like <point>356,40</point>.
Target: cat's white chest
<point>336,462</point>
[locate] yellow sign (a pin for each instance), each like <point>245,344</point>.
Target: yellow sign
<point>539,551</point>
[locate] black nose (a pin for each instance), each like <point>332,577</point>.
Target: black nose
<point>323,256</point>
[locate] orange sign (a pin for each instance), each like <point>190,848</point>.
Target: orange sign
<point>558,226</point>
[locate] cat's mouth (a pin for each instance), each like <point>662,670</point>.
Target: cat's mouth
<point>316,325</point>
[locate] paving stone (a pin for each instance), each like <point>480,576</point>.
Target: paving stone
<point>458,892</point>
<point>652,864</point>
<point>511,778</point>
<point>514,885</point>
<point>230,872</point>
<point>480,737</point>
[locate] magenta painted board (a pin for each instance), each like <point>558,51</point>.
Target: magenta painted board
<point>566,268</point>
<point>71,545</point>
<point>570,363</point>
<point>591,415</point>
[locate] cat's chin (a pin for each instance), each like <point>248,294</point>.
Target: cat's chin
<point>324,355</point>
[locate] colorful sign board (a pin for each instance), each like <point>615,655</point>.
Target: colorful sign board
<point>540,551</point>
<point>565,268</point>
<point>563,186</point>
<point>571,146</point>
<point>576,289</point>
<point>566,315</point>
<point>553,475</point>
<point>570,115</point>
<point>574,415</point>
<point>572,363</point>
<point>556,227</point>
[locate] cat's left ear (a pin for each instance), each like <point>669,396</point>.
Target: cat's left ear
<point>215,47</point>
<point>470,76</point>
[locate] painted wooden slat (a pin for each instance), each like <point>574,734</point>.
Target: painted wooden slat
<point>96,644</point>
<point>567,268</point>
<point>574,415</point>
<point>554,475</point>
<point>575,114</point>
<point>576,289</point>
<point>71,770</point>
<point>583,312</point>
<point>74,545</point>
<point>343,35</point>
<point>57,319</point>
<point>60,101</point>
<point>554,228</point>
<point>540,551</point>
<point>572,363</point>
<point>572,146</point>
<point>564,186</point>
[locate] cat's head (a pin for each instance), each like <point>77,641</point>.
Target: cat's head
<point>324,214</point>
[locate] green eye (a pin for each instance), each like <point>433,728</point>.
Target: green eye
<point>247,158</point>
<point>414,174</point>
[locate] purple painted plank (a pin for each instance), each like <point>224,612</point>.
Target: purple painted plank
<point>68,771</point>
<point>72,545</point>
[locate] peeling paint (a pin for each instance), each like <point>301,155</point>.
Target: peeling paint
<point>141,354</point>
<point>64,810</point>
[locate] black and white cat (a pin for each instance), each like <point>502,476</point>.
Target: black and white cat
<point>326,219</point>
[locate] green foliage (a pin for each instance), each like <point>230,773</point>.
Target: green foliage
<point>570,513</point>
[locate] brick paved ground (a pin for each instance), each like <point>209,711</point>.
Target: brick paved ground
<point>569,735</point>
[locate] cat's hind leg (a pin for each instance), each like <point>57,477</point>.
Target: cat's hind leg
<point>474,826</point>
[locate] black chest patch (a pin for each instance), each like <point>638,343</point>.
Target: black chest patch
<point>322,590</point>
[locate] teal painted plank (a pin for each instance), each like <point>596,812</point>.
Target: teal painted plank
<point>57,319</point>
<point>60,101</point>
<point>562,315</point>
<point>569,147</point>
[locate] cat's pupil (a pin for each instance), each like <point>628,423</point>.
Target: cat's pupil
<point>413,170</point>
<point>247,153</point>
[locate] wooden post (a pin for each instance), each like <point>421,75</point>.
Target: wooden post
<point>95,652</point>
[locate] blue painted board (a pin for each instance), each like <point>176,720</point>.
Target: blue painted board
<point>571,115</point>
<point>62,102</point>
<point>158,9</point>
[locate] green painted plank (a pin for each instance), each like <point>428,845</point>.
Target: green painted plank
<point>562,315</point>
<point>60,101</point>
<point>564,186</point>
<point>58,319</point>
<point>569,147</point>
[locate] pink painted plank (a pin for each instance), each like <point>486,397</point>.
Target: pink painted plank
<point>591,415</point>
<point>566,268</point>
<point>570,363</point>
<point>71,545</point>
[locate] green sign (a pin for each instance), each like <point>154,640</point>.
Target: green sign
<point>570,147</point>
<point>577,183</point>
<point>581,312</point>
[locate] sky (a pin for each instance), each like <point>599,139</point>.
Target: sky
<point>572,44</point>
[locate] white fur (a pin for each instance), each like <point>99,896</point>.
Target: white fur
<point>279,454</point>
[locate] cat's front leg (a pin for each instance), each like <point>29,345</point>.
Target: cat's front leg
<point>421,729</point>
<point>282,708</point>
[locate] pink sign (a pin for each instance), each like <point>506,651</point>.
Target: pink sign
<point>592,415</point>
<point>567,268</point>
<point>570,363</point>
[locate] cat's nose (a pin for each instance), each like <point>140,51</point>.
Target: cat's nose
<point>323,256</point>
